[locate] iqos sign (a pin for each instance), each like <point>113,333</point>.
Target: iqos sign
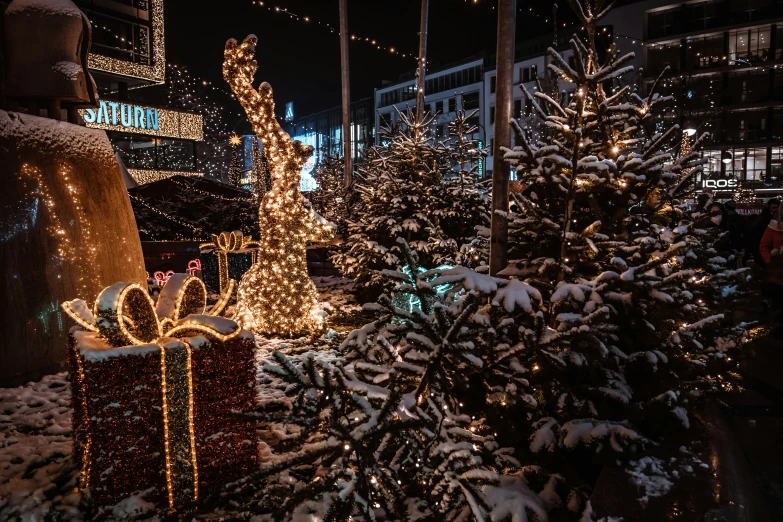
<point>121,114</point>
<point>719,183</point>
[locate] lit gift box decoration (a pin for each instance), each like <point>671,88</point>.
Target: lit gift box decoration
<point>156,392</point>
<point>227,257</point>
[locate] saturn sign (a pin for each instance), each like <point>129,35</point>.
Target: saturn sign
<point>131,116</point>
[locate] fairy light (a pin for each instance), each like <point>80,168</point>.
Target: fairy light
<point>332,29</point>
<point>165,215</point>
<point>226,243</point>
<point>144,176</point>
<point>169,487</point>
<point>276,295</point>
<point>155,72</point>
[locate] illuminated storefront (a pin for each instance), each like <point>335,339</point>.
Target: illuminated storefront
<point>154,143</point>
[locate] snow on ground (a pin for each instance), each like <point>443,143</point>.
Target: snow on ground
<point>38,476</point>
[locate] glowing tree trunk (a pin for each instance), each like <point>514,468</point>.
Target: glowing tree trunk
<point>276,296</point>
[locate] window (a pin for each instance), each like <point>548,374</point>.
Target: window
<point>755,164</point>
<point>776,165</point>
<point>525,74</point>
<point>749,45</point>
<point>470,101</point>
<point>492,115</point>
<point>517,108</point>
<point>492,84</point>
<point>528,106</point>
<point>451,105</point>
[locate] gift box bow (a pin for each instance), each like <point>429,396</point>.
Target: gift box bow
<point>125,315</point>
<point>229,242</point>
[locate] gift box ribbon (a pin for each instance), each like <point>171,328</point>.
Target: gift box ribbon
<point>125,315</point>
<point>226,243</point>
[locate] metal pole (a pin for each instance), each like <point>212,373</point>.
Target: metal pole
<point>347,156</point>
<point>425,8</point>
<point>504,96</point>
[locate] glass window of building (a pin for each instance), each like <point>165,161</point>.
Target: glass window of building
<point>703,53</point>
<point>492,115</point>
<point>470,101</point>
<point>492,84</point>
<point>756,164</point>
<point>776,165</point>
<point>517,108</point>
<point>749,45</point>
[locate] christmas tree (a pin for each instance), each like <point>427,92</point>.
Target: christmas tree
<point>330,199</point>
<point>236,168</point>
<point>415,188</point>
<point>635,282</point>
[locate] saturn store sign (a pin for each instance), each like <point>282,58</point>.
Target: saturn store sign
<point>140,119</point>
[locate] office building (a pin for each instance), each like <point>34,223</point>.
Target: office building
<point>324,130</point>
<point>725,71</point>
<point>470,85</point>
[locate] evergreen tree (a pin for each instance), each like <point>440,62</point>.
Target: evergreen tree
<point>412,187</point>
<point>600,233</point>
<point>330,199</point>
<point>236,168</point>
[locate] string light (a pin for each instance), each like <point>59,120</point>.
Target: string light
<point>354,38</point>
<point>167,216</point>
<point>226,243</point>
<point>276,295</point>
<point>156,72</point>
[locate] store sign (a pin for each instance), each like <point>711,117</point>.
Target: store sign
<point>480,167</point>
<point>139,119</point>
<point>719,183</point>
<point>129,115</point>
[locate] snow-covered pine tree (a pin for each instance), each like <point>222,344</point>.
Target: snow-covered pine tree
<point>393,430</point>
<point>235,168</point>
<point>330,199</point>
<point>462,234</point>
<point>406,188</point>
<point>599,231</point>
<point>261,180</point>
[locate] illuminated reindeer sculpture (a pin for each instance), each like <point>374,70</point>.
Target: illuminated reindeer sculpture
<point>276,295</point>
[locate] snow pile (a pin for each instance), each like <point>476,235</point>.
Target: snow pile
<point>38,477</point>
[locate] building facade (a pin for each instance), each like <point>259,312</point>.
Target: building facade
<point>722,61</point>
<point>470,85</point>
<point>127,54</point>
<point>324,132</point>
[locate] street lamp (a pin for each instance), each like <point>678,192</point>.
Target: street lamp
<point>689,127</point>
<point>726,157</point>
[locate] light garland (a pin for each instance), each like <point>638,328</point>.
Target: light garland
<point>156,72</point>
<point>161,213</point>
<point>276,295</point>
<point>145,176</point>
<point>306,19</point>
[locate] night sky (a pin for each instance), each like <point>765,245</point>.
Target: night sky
<point>302,60</point>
